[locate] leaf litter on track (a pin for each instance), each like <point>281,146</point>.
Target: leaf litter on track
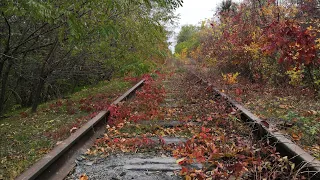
<point>214,143</point>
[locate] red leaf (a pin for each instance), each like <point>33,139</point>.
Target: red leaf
<point>205,130</point>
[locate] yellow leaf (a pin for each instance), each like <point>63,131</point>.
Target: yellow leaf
<point>162,133</point>
<point>188,177</point>
<point>178,161</point>
<point>309,28</point>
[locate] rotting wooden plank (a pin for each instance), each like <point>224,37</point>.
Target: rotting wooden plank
<point>42,168</point>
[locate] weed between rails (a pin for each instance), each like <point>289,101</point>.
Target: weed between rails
<point>144,107</point>
<point>216,138</point>
<point>224,145</point>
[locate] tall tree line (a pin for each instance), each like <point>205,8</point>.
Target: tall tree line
<point>47,48</point>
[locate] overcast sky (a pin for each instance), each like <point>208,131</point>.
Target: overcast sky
<point>194,11</point>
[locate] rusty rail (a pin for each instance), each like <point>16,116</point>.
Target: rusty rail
<point>285,146</point>
<point>61,160</point>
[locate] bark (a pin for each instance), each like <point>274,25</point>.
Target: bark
<point>4,73</point>
<point>7,48</point>
<point>37,94</point>
<point>4,86</point>
<point>2,60</point>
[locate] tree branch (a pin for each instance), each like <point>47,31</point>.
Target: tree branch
<point>36,48</point>
<point>9,33</point>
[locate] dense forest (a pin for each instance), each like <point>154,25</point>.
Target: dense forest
<point>270,41</point>
<point>50,48</point>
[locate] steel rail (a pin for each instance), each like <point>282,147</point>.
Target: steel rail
<point>285,146</point>
<point>61,160</point>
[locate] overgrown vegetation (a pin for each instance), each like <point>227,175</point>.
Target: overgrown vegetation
<point>216,138</point>
<point>265,54</point>
<point>270,41</point>
<point>26,137</point>
<point>49,48</point>
<point>73,51</point>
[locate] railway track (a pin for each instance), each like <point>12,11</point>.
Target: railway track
<point>263,131</point>
<point>60,161</point>
<point>162,158</point>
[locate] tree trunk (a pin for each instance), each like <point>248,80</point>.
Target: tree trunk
<point>1,66</point>
<point>42,78</point>
<point>37,94</point>
<point>311,78</point>
<point>4,79</point>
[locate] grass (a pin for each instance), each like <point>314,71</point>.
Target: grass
<point>297,117</point>
<point>26,137</point>
<point>294,111</point>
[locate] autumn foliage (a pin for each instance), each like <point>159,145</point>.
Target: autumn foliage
<point>215,138</point>
<point>277,42</point>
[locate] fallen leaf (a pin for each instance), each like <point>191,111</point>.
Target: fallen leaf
<point>282,106</point>
<point>59,142</point>
<point>296,137</point>
<point>188,177</point>
<point>44,150</point>
<point>90,163</point>
<point>120,125</point>
<point>238,91</point>
<point>84,177</point>
<point>238,99</point>
<point>72,130</point>
<point>179,161</point>
<point>265,123</point>
<point>312,112</point>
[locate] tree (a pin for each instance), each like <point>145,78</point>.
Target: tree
<point>187,40</point>
<point>50,43</point>
<point>265,40</point>
<point>186,32</point>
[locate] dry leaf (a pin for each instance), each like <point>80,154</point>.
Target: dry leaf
<point>84,177</point>
<point>315,148</point>
<point>178,161</point>
<point>59,142</point>
<point>296,137</point>
<point>72,130</point>
<point>312,112</point>
<point>282,106</point>
<point>188,177</point>
<point>265,123</point>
